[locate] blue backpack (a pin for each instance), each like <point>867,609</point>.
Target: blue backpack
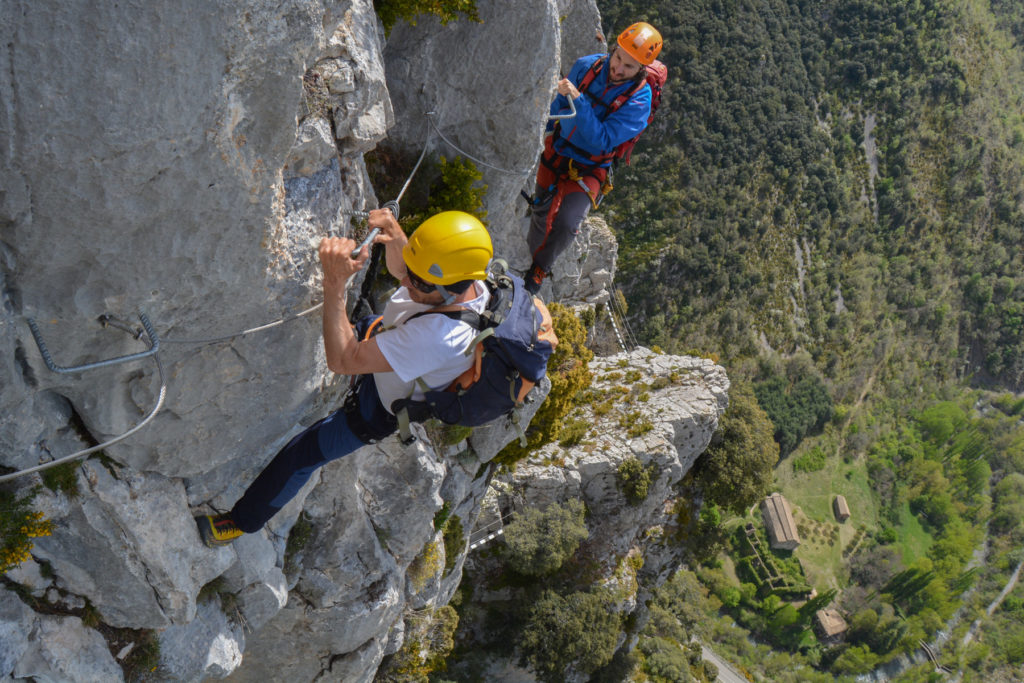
<point>511,352</point>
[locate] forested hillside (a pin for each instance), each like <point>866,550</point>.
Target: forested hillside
<point>831,201</point>
<point>832,176</point>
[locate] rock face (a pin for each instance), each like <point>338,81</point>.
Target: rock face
<point>183,160</point>
<point>489,86</point>
<point>663,422</point>
<point>656,412</point>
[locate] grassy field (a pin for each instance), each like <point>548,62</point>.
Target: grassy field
<point>913,539</point>
<point>810,494</point>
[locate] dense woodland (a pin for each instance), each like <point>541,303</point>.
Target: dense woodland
<point>753,208</point>
<point>831,201</point>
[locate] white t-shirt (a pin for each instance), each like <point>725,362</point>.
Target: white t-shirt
<point>431,346</point>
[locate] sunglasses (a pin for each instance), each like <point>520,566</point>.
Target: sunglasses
<point>419,284</point>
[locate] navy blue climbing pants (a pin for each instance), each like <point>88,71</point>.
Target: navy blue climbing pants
<point>333,437</point>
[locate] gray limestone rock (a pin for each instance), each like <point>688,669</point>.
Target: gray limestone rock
<point>674,415</point>
<point>16,623</point>
<point>209,646</point>
<point>581,34</point>
<point>489,86</point>
<point>583,275</point>
<point>186,163</point>
<point>176,181</point>
<point>259,602</point>
<point>29,575</point>
<point>62,649</point>
<point>131,547</point>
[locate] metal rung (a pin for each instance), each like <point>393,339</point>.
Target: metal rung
<point>154,342</point>
<point>572,111</point>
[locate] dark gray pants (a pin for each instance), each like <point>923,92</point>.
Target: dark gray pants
<point>546,246</point>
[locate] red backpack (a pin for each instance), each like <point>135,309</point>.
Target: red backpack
<point>656,75</point>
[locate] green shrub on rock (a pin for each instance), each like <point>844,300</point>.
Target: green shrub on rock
<point>390,11</point>
<point>578,629</point>
<point>538,542</point>
<point>634,479</point>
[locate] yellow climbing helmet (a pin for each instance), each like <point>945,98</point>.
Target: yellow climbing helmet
<point>449,247</point>
<point>641,41</point>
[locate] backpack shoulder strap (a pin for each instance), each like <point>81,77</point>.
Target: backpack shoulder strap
<point>641,81</point>
<point>471,318</point>
<point>592,72</point>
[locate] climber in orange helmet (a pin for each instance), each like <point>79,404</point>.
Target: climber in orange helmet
<point>613,105</point>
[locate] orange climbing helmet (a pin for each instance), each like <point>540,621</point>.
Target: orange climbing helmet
<point>641,41</point>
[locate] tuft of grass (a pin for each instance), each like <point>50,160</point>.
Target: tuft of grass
<point>573,432</point>
<point>454,541</point>
<point>62,478</point>
<point>635,423</point>
<point>390,11</point>
<point>425,566</point>
<point>142,662</point>
<point>298,537</point>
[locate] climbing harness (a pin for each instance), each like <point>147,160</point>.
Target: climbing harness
<point>515,338</point>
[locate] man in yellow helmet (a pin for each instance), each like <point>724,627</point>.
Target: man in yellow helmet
<point>442,263</point>
<point>613,106</point>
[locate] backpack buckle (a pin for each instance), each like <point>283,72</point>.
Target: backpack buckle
<point>405,434</point>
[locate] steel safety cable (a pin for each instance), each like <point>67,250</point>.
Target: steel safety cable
<point>625,323</point>
<point>194,342</point>
<point>106,444</point>
<point>621,313</point>
<point>260,328</point>
<point>371,270</point>
<point>478,162</point>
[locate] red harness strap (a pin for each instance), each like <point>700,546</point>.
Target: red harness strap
<point>554,173</point>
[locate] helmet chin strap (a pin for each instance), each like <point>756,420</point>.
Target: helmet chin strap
<point>448,297</point>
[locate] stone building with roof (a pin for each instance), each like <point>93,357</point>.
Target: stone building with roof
<point>840,508</point>
<point>778,520</point>
<point>829,625</point>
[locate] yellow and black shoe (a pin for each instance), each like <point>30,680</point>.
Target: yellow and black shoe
<point>217,530</point>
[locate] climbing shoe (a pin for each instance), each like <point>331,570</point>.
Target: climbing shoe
<point>533,278</point>
<point>217,530</point>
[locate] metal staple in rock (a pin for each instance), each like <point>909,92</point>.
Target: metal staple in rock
<point>79,454</point>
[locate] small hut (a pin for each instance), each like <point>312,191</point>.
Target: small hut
<point>778,520</point>
<point>841,509</point>
<point>830,625</point>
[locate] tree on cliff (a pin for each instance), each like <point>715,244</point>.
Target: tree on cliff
<point>736,469</point>
<point>538,542</point>
<point>579,629</point>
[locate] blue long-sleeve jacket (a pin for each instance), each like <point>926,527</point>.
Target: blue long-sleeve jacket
<point>587,131</point>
